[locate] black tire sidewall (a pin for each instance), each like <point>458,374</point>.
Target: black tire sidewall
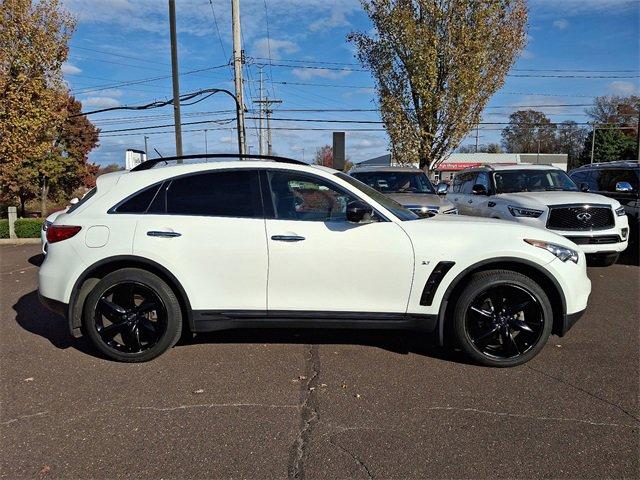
<point>160,287</point>
<point>482,281</point>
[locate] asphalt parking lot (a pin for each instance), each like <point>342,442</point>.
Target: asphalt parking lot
<point>317,404</point>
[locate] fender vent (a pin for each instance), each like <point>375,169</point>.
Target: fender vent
<point>433,282</point>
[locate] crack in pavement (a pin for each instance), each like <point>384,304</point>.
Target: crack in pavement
<point>580,389</point>
<point>359,462</point>
<point>309,415</point>
<point>23,417</point>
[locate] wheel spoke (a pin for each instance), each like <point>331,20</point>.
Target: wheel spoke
<point>131,339</point>
<point>484,313</point>
<point>521,325</point>
<point>510,342</point>
<point>112,330</point>
<point>111,310</point>
<point>486,335</point>
<point>518,308</point>
<point>146,307</point>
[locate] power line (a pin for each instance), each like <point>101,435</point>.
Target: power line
<point>76,47</point>
<point>215,21</point>
<point>266,18</point>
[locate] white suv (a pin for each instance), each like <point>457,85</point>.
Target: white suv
<point>545,197</point>
<point>278,243</point>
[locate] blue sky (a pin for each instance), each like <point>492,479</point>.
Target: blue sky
<point>120,41</point>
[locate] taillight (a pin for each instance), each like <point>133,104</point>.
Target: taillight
<point>57,233</point>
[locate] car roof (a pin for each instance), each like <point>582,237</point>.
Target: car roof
<point>511,166</point>
<point>383,168</point>
<point>602,165</point>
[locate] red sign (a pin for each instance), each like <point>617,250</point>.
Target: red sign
<point>457,165</point>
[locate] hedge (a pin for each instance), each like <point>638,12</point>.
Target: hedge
<point>28,227</point>
<point>4,228</point>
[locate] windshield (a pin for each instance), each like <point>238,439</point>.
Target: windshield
<point>391,205</point>
<point>513,181</point>
<point>396,182</point>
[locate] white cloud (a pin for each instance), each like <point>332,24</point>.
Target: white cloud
<point>70,69</point>
<point>560,24</point>
<point>262,47</point>
<point>100,102</point>
<point>337,19</point>
<point>309,73</point>
<point>527,54</point>
<point>623,88</point>
<point>226,140</point>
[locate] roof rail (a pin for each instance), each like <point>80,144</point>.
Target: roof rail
<point>152,163</point>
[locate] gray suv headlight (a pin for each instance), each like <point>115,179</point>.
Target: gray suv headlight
<point>524,212</point>
<point>563,253</point>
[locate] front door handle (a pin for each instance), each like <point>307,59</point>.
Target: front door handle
<point>469,201</point>
<point>287,238</point>
<point>158,233</point>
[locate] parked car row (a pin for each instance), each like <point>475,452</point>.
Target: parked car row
<point>272,242</point>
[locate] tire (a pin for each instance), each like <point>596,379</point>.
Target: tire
<point>602,259</point>
<point>132,315</point>
<point>495,337</point>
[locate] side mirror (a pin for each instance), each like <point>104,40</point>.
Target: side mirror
<point>442,188</point>
<point>356,211</point>
<point>584,187</point>
<point>479,189</point>
<point>624,187</point>
<point>74,200</point>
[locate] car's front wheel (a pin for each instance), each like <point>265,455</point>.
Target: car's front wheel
<point>132,315</point>
<point>502,318</point>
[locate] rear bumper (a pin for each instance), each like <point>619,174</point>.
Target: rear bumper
<point>54,305</point>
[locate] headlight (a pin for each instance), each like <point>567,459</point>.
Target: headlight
<point>563,253</point>
<point>46,225</point>
<point>620,212</point>
<point>524,212</point>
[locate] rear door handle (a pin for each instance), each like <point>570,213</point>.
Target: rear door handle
<point>287,238</point>
<point>469,201</point>
<point>158,233</point>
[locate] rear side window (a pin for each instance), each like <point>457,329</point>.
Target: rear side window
<point>234,193</point>
<point>83,200</point>
<point>139,202</point>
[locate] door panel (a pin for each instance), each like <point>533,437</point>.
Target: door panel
<point>319,261</point>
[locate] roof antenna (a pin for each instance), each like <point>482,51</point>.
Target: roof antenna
<point>159,154</point>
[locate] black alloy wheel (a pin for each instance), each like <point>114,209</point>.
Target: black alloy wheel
<point>132,315</point>
<point>504,321</point>
<point>502,318</point>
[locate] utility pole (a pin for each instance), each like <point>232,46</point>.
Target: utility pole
<point>174,76</point>
<point>146,148</point>
<point>206,147</point>
<point>237,71</point>
<point>476,138</point>
<point>638,132</point>
<point>593,141</point>
<point>265,111</point>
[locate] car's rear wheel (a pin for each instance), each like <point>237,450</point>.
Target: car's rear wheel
<point>132,315</point>
<point>502,318</point>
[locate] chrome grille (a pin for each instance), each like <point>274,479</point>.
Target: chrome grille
<point>580,217</point>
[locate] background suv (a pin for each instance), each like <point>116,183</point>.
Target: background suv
<point>618,180</point>
<point>544,197</point>
<point>249,244</point>
<point>408,186</point>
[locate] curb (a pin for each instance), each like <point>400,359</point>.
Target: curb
<point>19,241</point>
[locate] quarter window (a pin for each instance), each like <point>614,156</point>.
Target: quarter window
<point>306,197</point>
<point>233,193</point>
<point>139,202</point>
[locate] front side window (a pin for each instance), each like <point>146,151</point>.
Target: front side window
<point>608,179</point>
<point>303,197</point>
<point>483,179</point>
<point>468,181</point>
<point>396,182</point>
<point>233,193</point>
<point>513,181</point>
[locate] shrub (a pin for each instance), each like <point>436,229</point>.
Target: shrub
<point>28,227</point>
<point>4,228</point>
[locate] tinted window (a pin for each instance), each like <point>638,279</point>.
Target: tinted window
<point>468,180</point>
<point>83,200</point>
<point>396,182</point>
<point>139,202</point>
<point>305,197</point>
<point>483,179</point>
<point>511,181</point>
<point>606,179</point>
<point>218,194</point>
<point>457,183</point>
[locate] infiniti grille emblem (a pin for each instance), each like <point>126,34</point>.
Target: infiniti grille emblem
<point>584,216</point>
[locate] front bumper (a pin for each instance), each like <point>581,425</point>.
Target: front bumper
<point>568,321</point>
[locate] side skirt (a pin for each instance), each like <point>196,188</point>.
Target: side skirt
<point>213,320</point>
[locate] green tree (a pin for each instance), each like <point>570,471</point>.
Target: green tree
<point>610,144</point>
<point>436,64</point>
<point>570,140</point>
<point>33,47</point>
<point>529,131</point>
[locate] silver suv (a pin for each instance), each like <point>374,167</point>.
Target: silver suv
<point>408,186</point>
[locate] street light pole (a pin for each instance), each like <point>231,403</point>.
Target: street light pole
<point>205,142</point>
<point>593,141</point>
<point>174,76</point>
